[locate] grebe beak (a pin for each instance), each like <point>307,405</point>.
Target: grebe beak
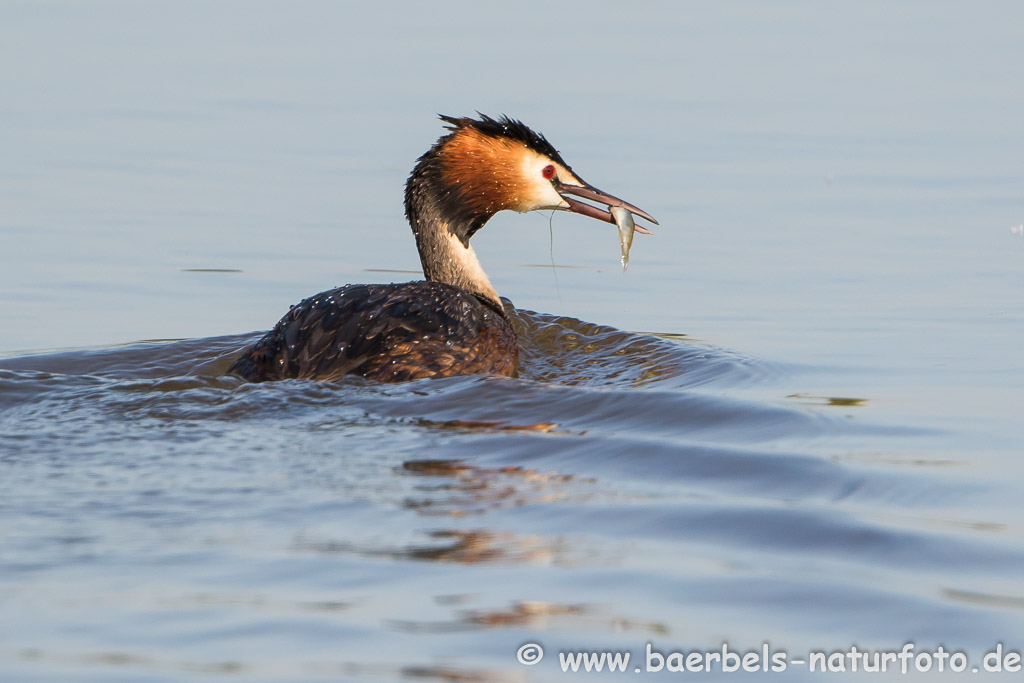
<point>588,191</point>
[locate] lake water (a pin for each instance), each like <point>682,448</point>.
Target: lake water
<point>795,420</point>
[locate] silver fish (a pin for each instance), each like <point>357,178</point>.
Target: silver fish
<point>624,220</point>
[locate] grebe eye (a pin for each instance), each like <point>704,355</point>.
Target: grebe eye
<point>548,172</point>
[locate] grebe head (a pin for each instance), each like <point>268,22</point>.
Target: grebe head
<point>489,165</point>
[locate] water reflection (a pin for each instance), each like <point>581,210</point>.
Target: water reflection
<point>814,399</point>
<point>462,489</point>
<point>537,615</point>
<point>462,546</point>
<point>456,489</point>
<point>490,425</point>
<point>476,546</point>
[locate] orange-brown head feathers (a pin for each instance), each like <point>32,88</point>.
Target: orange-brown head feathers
<point>502,164</point>
<point>488,165</point>
<point>485,166</point>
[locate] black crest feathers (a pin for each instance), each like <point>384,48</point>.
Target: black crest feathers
<point>506,127</point>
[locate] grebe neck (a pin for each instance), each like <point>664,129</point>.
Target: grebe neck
<point>443,225</point>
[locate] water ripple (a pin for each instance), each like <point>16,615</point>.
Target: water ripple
<point>633,459</point>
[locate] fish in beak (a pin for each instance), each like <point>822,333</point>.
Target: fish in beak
<point>587,191</point>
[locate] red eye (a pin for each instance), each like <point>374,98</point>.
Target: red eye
<point>548,172</point>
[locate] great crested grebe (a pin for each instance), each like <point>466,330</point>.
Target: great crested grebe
<point>453,323</point>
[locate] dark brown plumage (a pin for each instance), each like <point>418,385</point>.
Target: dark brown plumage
<point>453,323</point>
<point>390,333</point>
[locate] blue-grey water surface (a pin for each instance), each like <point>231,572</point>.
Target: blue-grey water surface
<point>795,420</point>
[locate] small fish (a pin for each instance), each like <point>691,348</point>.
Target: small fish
<point>624,220</point>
